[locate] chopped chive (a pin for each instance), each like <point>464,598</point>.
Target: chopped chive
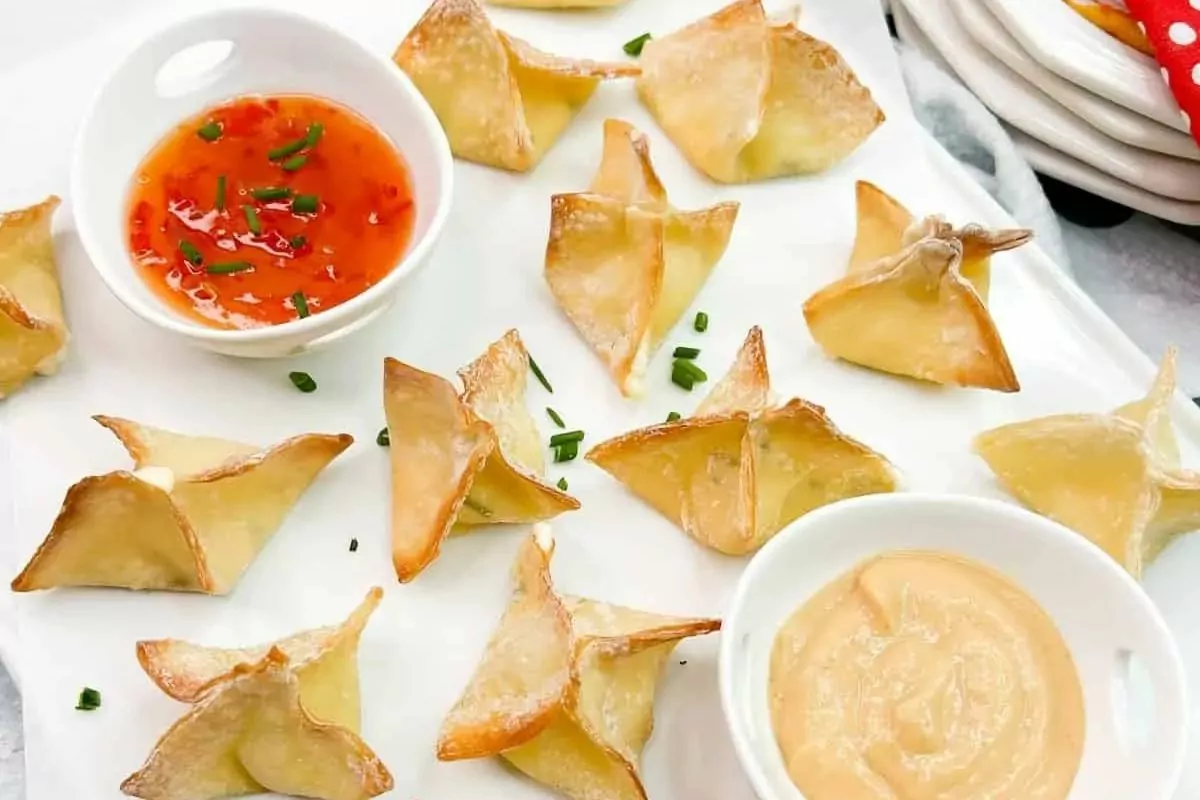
<point>673,416</point>
<point>686,352</point>
<point>89,700</point>
<point>228,267</point>
<point>537,373</point>
<point>310,138</point>
<point>294,163</point>
<point>682,378</point>
<point>481,510</point>
<point>297,242</point>
<point>210,131</point>
<point>553,415</point>
<point>698,375</point>
<point>683,663</point>
<point>566,438</point>
<point>384,439</point>
<point>566,452</point>
<point>252,220</point>
<point>301,304</point>
<point>303,381</point>
<point>634,46</point>
<point>271,193</point>
<point>305,204</point>
<point>220,203</point>
<point>190,253</point>
<point>562,484</point>
<point>701,323</point>
<point>354,545</point>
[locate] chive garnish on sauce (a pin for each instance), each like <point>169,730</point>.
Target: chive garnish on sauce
<point>228,267</point>
<point>301,304</point>
<point>305,204</point>
<point>210,131</point>
<point>562,484</point>
<point>294,163</point>
<point>252,220</point>
<point>271,193</point>
<point>354,545</point>
<point>89,699</point>
<point>674,416</point>
<point>634,46</point>
<point>686,352</point>
<point>701,323</point>
<point>297,242</point>
<point>384,439</point>
<point>309,139</point>
<point>555,418</point>
<point>559,439</point>
<point>190,253</point>
<point>303,381</point>
<point>537,373</point>
<point>220,202</point>
<point>566,452</point>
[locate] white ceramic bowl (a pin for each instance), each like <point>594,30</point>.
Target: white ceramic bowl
<point>172,76</point>
<point>1102,613</point>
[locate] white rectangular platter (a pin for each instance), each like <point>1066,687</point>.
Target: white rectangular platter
<point>792,237</point>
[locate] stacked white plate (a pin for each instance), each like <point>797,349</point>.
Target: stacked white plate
<point>1082,107</point>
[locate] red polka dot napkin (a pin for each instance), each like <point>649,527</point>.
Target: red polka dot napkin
<point>1173,28</point>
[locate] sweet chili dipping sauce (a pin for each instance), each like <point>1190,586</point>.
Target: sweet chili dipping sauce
<point>267,209</point>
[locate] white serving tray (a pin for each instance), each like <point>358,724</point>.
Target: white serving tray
<point>792,237</point>
<point>1027,107</point>
<point>1067,44</point>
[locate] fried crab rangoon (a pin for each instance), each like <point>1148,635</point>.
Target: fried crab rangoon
<point>622,263</point>
<point>741,469</point>
<point>501,101</point>
<point>33,333</point>
<point>565,689</point>
<point>282,717</point>
<point>1115,478</point>
<point>463,459</point>
<point>747,98</point>
<point>190,517</point>
<point>913,314</point>
<point>885,228</point>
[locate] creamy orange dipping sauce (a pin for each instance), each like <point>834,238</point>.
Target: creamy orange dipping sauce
<point>267,209</point>
<point>919,675</point>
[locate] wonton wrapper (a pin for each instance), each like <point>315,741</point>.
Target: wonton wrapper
<point>325,661</point>
<point>747,99</point>
<point>885,228</point>
<point>502,102</point>
<point>737,472</point>
<point>252,732</point>
<point>565,689</point>
<point>622,263</point>
<point>33,333</point>
<point>1115,478</point>
<point>469,459</point>
<point>913,314</point>
<point>191,517</point>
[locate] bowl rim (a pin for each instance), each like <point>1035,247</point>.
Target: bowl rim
<point>326,322</point>
<point>749,747</point>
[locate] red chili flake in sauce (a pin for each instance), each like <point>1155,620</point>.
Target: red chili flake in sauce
<point>355,171</point>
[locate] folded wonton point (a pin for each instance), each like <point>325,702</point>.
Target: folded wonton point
<point>1115,478</point>
<point>250,733</point>
<point>746,98</point>
<point>474,458</point>
<point>33,332</point>
<point>502,102</point>
<point>622,263</point>
<point>191,516</point>
<point>740,470</point>
<point>565,689</point>
<point>913,314</point>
